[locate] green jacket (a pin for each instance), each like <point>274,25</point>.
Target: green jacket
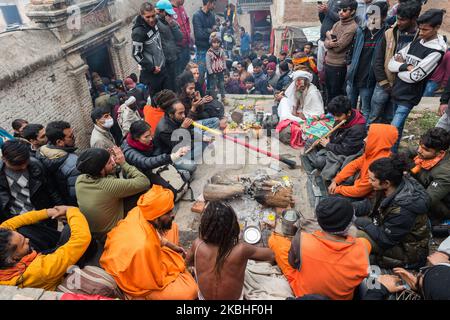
<point>101,199</point>
<point>437,183</point>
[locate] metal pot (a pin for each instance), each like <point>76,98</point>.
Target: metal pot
<point>288,219</point>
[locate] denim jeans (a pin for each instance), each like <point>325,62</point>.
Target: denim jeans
<point>444,122</point>
<point>430,88</point>
<point>400,115</point>
<point>381,107</point>
<point>216,80</point>
<point>201,61</point>
<point>365,94</point>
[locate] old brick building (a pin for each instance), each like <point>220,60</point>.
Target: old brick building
<point>43,72</point>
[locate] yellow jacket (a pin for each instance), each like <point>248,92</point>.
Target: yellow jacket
<point>47,271</point>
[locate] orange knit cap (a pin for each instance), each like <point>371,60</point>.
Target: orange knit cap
<point>156,202</point>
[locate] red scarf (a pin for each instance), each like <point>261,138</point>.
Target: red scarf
<point>139,145</point>
<point>19,268</point>
<point>426,164</point>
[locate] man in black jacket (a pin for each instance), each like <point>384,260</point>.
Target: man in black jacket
<point>346,141</point>
<point>173,133</point>
<point>148,51</point>
<point>59,159</point>
<point>203,21</point>
<point>396,223</point>
<point>444,110</point>
<point>24,186</point>
<point>170,36</point>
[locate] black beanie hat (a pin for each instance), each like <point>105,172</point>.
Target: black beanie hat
<point>436,283</point>
<point>334,214</point>
<point>91,161</point>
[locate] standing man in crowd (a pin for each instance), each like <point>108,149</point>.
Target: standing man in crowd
<point>361,78</point>
<point>170,36</point>
<point>338,41</point>
<point>147,49</point>
<point>328,15</point>
<point>444,111</point>
<point>204,23</point>
<point>394,39</point>
<point>184,54</point>
<point>246,43</point>
<point>414,64</point>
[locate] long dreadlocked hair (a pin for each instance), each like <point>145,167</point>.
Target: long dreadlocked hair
<point>165,99</point>
<point>219,226</point>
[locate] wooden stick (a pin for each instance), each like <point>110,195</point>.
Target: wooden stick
<point>326,135</point>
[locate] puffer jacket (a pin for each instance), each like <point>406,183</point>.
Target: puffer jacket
<point>61,164</point>
<point>400,227</point>
<point>170,36</point>
<point>144,161</point>
<point>47,271</point>
<point>43,193</point>
<point>147,47</point>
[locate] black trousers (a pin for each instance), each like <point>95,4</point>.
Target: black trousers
<point>335,81</point>
<point>155,82</point>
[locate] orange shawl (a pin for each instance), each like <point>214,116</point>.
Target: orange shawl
<point>19,268</point>
<point>426,164</point>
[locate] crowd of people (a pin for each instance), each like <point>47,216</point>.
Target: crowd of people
<point>110,205</point>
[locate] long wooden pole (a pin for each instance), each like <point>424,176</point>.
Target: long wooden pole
<point>292,164</point>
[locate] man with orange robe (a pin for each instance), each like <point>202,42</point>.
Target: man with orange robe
<point>142,252</point>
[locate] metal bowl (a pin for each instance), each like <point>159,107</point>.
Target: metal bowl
<point>252,235</point>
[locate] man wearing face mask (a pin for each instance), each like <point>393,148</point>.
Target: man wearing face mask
<point>101,137</point>
<point>101,193</point>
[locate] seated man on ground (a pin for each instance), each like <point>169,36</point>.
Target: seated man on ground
<point>194,104</point>
<point>329,262</point>
<point>432,170</point>
<point>24,186</point>
<point>59,159</point>
<point>173,132</point>
<point>430,284</point>
<point>101,136</point>
<point>219,259</point>
<point>142,252</point>
<point>379,141</point>
<point>35,135</point>
<point>302,101</point>
<point>396,221</point>
<point>346,142</point>
<point>21,265</point>
<point>101,193</point>
<point>153,114</point>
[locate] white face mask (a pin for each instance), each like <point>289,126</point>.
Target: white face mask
<point>108,123</point>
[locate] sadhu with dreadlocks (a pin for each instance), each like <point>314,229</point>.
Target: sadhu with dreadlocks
<point>219,258</point>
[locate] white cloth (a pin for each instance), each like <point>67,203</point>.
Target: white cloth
<point>265,282</point>
<point>313,103</point>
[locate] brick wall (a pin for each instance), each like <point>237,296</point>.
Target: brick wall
<point>39,100</point>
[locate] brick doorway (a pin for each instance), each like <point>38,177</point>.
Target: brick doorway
<point>99,60</point>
